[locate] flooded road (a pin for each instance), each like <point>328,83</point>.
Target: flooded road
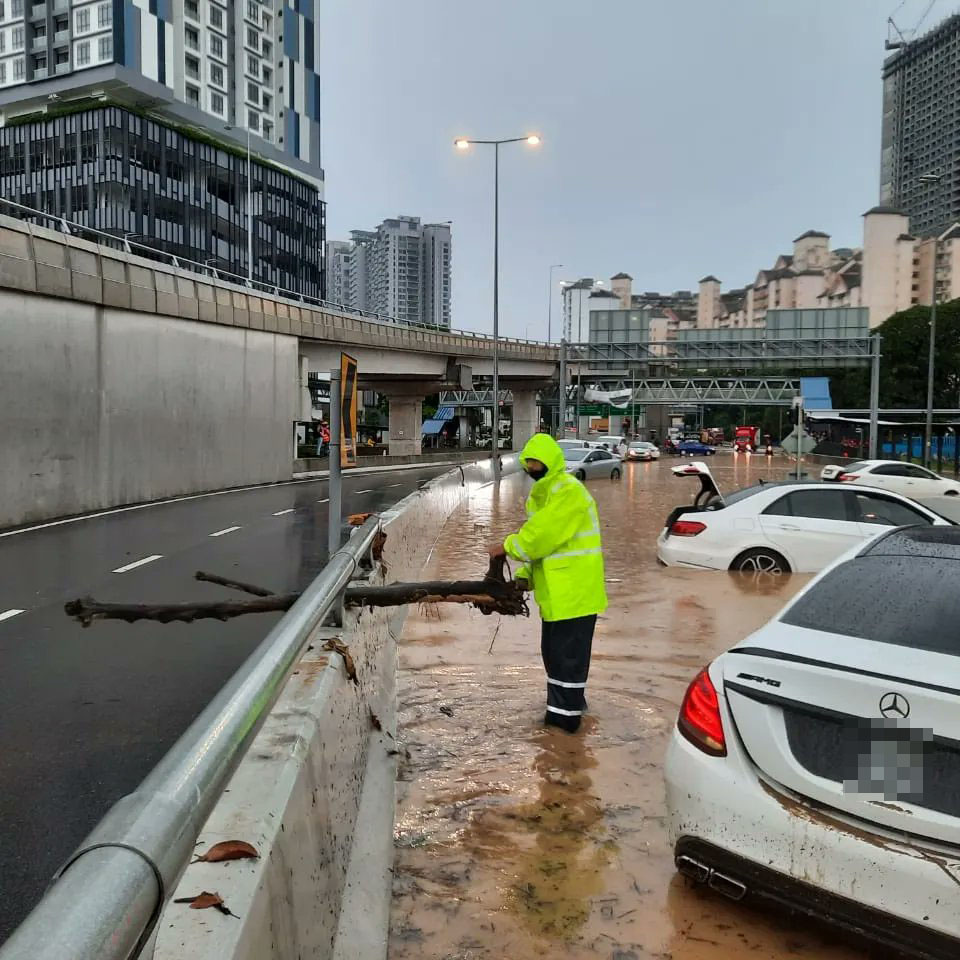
<point>523,842</point>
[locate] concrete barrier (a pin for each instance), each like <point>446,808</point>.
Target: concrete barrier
<point>315,792</point>
<point>103,407</point>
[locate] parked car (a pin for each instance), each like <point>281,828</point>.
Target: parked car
<point>573,444</point>
<point>643,450</point>
<point>693,448</point>
<point>905,478</point>
<point>586,464</point>
<point>776,528</point>
<point>817,763</point>
<point>608,442</point>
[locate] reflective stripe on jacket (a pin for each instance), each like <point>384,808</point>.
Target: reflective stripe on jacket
<point>559,545</point>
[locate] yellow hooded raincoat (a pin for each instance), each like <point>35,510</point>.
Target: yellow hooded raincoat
<point>559,545</point>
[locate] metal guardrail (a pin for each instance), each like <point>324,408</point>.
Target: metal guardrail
<point>108,896</point>
<point>123,242</point>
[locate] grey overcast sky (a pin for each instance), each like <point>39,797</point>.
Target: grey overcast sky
<point>680,137</point>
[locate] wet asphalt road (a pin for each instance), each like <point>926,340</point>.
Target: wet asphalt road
<point>85,714</point>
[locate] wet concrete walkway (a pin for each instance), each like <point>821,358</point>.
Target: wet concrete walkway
<point>515,841</point>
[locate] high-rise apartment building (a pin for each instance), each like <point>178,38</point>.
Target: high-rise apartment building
<point>139,118</point>
<point>402,269</point>
<point>921,99</point>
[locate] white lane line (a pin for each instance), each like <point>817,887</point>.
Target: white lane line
<point>394,484</point>
<point>7,614</point>
<point>363,491</point>
<point>220,533</point>
<point>324,500</point>
<point>138,563</point>
<point>155,503</point>
<point>280,513</point>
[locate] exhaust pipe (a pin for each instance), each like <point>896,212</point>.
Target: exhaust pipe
<point>720,882</point>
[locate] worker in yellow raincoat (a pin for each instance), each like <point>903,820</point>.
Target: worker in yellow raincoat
<point>561,554</point>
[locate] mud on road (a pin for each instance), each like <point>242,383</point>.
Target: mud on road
<point>516,841</point>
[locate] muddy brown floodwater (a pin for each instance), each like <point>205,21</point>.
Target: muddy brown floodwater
<point>515,841</point>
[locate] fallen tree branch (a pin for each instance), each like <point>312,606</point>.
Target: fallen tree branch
<point>493,594</point>
<point>488,596</point>
<point>233,584</point>
<point>86,609</point>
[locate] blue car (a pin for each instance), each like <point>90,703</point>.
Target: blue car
<point>694,448</point>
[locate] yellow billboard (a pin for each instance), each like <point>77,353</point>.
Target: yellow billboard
<point>348,411</point>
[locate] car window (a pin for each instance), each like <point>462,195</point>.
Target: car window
<point>885,511</point>
<point>813,504</point>
<point>593,457</point>
<point>603,455</point>
<point>908,601</point>
<point>573,453</point>
<point>888,470</point>
<point>918,473</point>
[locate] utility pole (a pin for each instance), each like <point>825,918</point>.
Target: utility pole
<point>562,395</point>
<point>874,394</point>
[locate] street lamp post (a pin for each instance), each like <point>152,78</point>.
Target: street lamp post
<point>554,266</point>
<point>932,179</point>
<point>464,143</point>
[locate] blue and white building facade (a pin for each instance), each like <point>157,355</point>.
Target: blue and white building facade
<point>245,73</point>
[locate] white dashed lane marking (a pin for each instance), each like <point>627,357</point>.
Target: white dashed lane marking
<point>280,513</point>
<point>138,563</point>
<point>220,533</point>
<point>324,500</point>
<point>7,614</point>
<point>395,484</point>
<point>363,491</point>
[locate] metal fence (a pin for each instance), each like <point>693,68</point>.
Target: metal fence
<point>108,896</point>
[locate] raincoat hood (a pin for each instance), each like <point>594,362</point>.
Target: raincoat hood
<point>542,447</point>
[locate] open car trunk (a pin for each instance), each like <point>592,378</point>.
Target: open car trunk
<point>707,496</point>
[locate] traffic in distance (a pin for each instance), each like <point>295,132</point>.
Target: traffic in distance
<point>832,731</point>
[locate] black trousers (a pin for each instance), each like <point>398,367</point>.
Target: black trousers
<point>565,646</point>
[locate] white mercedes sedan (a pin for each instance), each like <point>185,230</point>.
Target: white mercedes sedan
<point>817,763</point>
<point>776,528</point>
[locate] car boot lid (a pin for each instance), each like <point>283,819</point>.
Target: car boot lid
<point>708,486</point>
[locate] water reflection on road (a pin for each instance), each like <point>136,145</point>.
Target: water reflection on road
<point>520,842</point>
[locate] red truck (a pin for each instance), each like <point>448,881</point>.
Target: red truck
<point>746,438</point>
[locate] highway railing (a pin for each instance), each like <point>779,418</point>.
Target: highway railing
<point>120,241</point>
<point>107,898</point>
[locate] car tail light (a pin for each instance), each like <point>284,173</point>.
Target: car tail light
<point>847,477</point>
<point>700,721</point>
<point>686,528</point>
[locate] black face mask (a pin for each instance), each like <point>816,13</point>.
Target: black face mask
<point>537,474</point>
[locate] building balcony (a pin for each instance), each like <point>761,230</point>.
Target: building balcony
<point>61,36</point>
<point>40,73</point>
<point>61,6</point>
<point>39,43</point>
<point>38,11</point>
<point>63,67</point>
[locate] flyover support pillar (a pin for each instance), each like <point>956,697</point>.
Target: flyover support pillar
<point>526,419</point>
<point>406,422</point>
<point>463,430</point>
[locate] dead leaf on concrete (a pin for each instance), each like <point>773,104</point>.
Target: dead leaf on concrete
<point>205,900</point>
<point>335,646</point>
<point>228,850</point>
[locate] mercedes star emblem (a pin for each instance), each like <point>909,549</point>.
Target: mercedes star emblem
<point>894,705</point>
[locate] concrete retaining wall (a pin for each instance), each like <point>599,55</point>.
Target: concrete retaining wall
<point>315,793</point>
<point>104,406</point>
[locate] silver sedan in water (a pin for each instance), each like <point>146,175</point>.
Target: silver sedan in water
<point>588,464</point>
